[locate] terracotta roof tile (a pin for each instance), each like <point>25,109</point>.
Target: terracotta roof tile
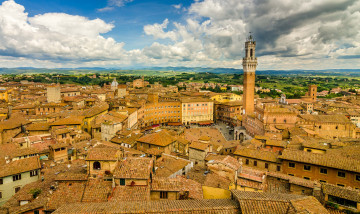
<point>293,179</point>
<point>13,123</point>
<point>95,110</point>
<point>199,145</point>
<point>73,120</point>
<point>19,166</point>
<point>166,184</point>
<point>105,153</point>
<point>38,127</point>
<point>130,193</point>
<point>97,190</point>
<point>257,154</point>
<point>217,181</point>
<point>325,118</point>
<point>161,138</point>
<point>336,161</point>
<point>71,176</point>
<point>167,165</point>
<point>219,206</point>
<point>341,192</point>
<point>308,205</point>
<point>264,203</point>
<point>227,160</point>
<point>193,187</point>
<point>136,168</point>
<point>66,194</point>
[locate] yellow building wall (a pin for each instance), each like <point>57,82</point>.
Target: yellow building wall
<point>105,166</point>
<point>317,151</point>
<point>88,120</point>
<point>226,98</point>
<point>155,195</point>
<point>215,193</point>
<point>4,96</point>
<point>248,189</point>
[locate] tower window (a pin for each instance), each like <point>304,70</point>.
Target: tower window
<point>251,53</point>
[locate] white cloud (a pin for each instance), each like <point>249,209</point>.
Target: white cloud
<point>112,4</point>
<point>54,36</point>
<point>302,34</point>
<point>105,9</point>
<point>157,31</point>
<point>73,25</point>
<point>177,6</point>
<point>308,34</point>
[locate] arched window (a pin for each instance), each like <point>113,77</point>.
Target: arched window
<point>97,165</point>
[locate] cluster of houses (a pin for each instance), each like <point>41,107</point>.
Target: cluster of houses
<point>142,147</point>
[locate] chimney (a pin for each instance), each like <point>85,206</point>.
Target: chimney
<point>9,111</point>
<point>7,159</point>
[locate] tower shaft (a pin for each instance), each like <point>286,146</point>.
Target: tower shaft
<point>249,67</point>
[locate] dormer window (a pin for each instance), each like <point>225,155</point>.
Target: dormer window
<point>96,165</point>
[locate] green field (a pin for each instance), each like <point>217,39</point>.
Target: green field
<point>293,85</point>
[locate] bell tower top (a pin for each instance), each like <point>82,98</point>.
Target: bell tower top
<point>250,45</point>
<point>250,61</point>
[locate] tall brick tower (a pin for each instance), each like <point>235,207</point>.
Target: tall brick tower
<point>313,92</point>
<point>249,67</point>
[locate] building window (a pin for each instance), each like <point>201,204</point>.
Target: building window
<point>342,201</point>
<point>1,181</point>
<point>322,181</point>
<point>96,165</point>
<point>266,165</point>
<point>357,177</point>
<point>291,174</point>
<point>306,178</point>
<point>341,174</point>
<point>122,182</point>
<point>247,161</point>
<point>307,167</point>
<point>0,194</point>
<point>323,171</point>
<point>163,195</point>
<point>255,163</point>
<point>292,165</point>
<point>17,177</point>
<point>340,185</point>
<point>17,189</point>
<point>278,168</point>
<point>33,173</point>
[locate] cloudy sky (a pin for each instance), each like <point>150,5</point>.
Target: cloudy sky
<point>302,34</point>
